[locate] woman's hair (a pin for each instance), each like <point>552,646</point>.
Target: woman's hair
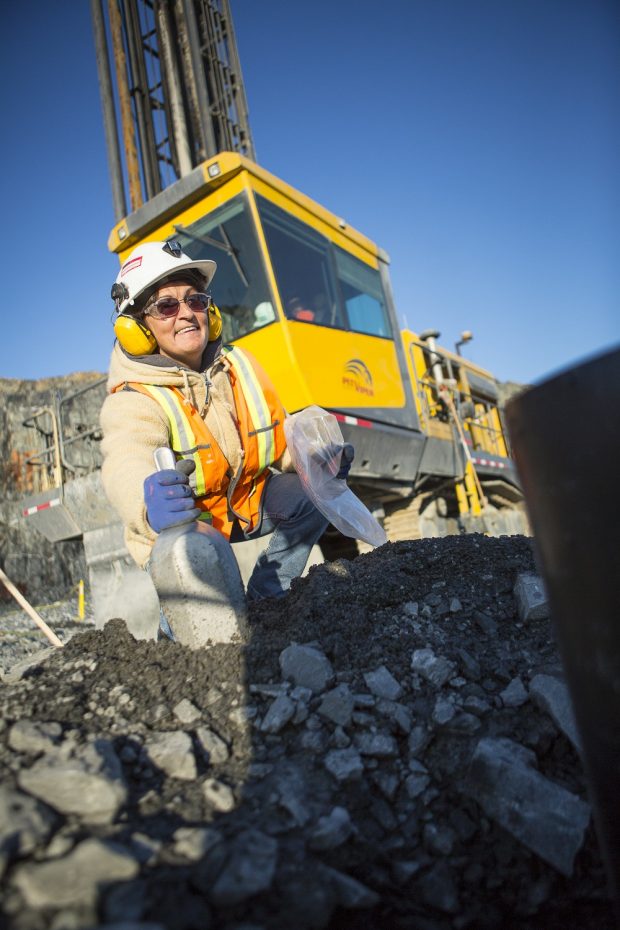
<point>192,277</point>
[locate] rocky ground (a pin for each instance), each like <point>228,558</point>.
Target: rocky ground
<point>393,749</point>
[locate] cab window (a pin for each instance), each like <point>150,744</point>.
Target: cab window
<point>302,265</point>
<point>320,283</point>
<point>362,294</point>
<point>240,287</point>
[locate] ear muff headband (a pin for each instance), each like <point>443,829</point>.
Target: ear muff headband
<point>215,323</point>
<point>134,336</point>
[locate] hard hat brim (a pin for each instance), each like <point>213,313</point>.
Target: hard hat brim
<point>206,267</point>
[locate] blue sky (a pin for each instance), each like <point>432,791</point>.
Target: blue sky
<point>476,141</point>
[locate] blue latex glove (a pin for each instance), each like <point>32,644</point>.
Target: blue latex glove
<point>348,454</point>
<point>169,499</point>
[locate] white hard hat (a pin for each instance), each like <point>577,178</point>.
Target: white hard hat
<point>148,264</point>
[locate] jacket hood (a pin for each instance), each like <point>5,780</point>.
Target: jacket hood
<point>157,369</point>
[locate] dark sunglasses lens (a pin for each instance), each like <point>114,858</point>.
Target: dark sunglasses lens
<point>167,306</point>
<point>197,302</point>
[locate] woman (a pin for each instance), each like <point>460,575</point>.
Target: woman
<point>171,383</point>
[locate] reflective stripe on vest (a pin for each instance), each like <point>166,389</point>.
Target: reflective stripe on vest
<point>257,406</point>
<point>183,441</point>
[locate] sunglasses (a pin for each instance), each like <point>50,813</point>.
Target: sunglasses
<point>167,307</point>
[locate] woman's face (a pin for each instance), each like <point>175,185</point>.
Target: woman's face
<point>183,337</point>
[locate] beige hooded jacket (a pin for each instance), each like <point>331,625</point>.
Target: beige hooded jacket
<point>134,425</point>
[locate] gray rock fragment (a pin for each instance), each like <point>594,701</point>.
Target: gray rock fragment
<point>280,712</point>
<point>546,818</point>
<point>307,667</point>
<point>436,669</point>
<point>485,623</point>
<point>337,705</point>
<point>387,783</point>
<point>531,597</point>
<point>416,784</point>
<point>443,711</point>
<point>314,741</point>
<point>553,696</point>
<point>469,665</point>
<point>514,694</point>
<point>76,879</point>
<point>365,701</point>
<point>194,842</point>
<point>396,712</point>
<point>340,739</point>
<point>344,764</point>
<point>24,823</point>
<point>241,717</point>
<point>249,869</point>
<point>89,783</point>
<point>300,694</point>
<point>332,830</point>
<point>292,794</point>
<point>172,752</point>
<point>476,705</point>
<point>382,683</point>
<point>302,697</point>
<point>418,739</point>
<point>463,724</point>
<point>219,795</point>
<point>381,745</point>
<point>145,848</point>
<point>34,737</point>
<point>186,712</point>
<point>350,893</point>
<point>212,745</point>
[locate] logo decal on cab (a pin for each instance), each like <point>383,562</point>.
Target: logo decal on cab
<point>357,376</point>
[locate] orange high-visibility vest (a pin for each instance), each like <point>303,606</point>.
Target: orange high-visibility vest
<point>223,496</point>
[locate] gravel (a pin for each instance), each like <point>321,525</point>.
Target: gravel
<point>393,748</point>
<point>21,638</point>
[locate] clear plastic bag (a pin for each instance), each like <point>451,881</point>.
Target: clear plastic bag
<point>315,442</point>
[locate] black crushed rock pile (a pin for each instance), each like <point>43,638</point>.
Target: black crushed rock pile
<point>393,749</point>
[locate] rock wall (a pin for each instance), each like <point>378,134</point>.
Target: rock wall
<point>43,571</point>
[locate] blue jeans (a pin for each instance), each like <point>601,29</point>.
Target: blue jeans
<point>296,525</point>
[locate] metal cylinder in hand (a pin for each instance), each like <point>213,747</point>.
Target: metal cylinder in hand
<point>197,579</point>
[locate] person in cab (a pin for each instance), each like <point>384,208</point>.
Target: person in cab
<point>172,383</point>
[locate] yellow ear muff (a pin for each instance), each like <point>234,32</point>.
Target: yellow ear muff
<point>215,323</point>
<point>134,336</point>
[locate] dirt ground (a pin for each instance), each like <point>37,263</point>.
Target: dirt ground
<point>413,848</point>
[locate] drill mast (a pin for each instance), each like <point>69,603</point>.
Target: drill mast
<point>177,87</point>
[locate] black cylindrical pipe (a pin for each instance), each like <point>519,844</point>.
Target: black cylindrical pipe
<point>109,115</point>
<point>141,99</point>
<point>566,443</point>
<point>197,62</point>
